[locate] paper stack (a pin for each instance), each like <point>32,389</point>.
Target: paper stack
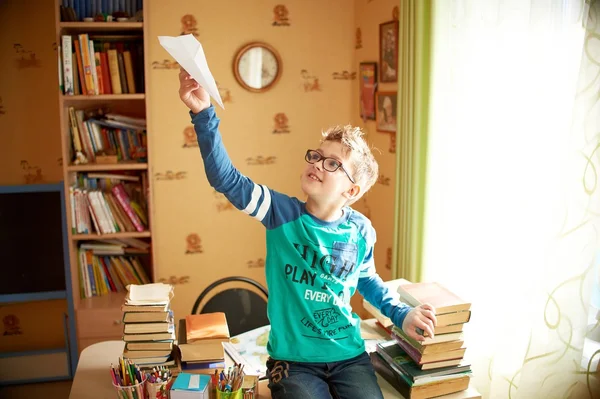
<point>149,329</point>
<point>201,338</point>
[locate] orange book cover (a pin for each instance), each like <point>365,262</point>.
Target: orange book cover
<point>440,297</point>
<point>206,326</point>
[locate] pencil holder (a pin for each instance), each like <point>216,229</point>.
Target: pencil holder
<point>230,395</point>
<point>131,391</point>
<point>250,387</point>
<point>159,390</point>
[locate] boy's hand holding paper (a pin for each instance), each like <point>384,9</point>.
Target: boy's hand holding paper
<point>188,52</point>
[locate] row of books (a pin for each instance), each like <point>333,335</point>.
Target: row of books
<point>148,326</point>
<point>109,209</point>
<point>112,134</point>
<point>89,8</point>
<point>102,66</point>
<point>434,366</point>
<point>101,274</point>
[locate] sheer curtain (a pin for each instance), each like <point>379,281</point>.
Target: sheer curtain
<point>512,204</point>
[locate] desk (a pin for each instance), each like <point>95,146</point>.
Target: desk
<point>92,379</point>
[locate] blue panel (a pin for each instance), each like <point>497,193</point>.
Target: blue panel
<point>34,296</point>
<point>33,353</point>
<point>49,379</point>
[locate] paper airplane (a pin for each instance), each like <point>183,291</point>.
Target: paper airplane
<point>188,52</point>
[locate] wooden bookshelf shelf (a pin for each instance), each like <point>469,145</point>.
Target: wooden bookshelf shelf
<point>102,26</point>
<point>94,167</point>
<point>112,300</point>
<point>135,234</point>
<point>102,97</point>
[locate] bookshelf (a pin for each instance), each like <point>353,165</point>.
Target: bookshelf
<point>98,318</point>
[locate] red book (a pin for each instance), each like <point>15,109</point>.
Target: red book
<point>123,199</point>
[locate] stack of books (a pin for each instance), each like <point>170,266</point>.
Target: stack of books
<point>434,366</point>
<point>148,326</point>
<point>200,342</point>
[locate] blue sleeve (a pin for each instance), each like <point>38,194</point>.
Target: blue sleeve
<point>378,294</point>
<point>267,206</point>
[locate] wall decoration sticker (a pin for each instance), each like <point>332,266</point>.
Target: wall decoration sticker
<point>190,140</point>
<point>311,83</point>
<point>225,94</point>
<point>395,13</point>
<point>222,203</point>
<point>193,244</point>
<point>59,161</point>
<point>388,258</point>
<point>258,264</point>
<point>344,75</point>
<point>280,17</point>
<point>383,180</point>
<point>25,58</point>
<point>392,148</point>
<point>12,325</point>
<point>189,25</point>
<point>260,160</point>
<point>165,64</point>
<point>2,109</point>
<point>174,280</point>
<point>31,174</point>
<point>281,123</point>
<point>170,175</point>
<point>358,37</point>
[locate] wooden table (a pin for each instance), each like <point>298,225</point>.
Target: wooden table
<point>92,378</point>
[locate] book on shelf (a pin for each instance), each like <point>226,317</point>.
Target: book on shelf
<point>102,274</point>
<point>106,205</point>
<point>92,134</point>
<point>454,385</point>
<point>95,64</point>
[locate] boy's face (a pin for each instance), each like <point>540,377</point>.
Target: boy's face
<point>320,184</point>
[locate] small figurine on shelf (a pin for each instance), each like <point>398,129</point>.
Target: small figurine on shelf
<point>80,158</point>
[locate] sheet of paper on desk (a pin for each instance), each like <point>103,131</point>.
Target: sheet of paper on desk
<point>188,52</point>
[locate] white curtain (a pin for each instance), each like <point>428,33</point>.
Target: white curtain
<point>512,199</point>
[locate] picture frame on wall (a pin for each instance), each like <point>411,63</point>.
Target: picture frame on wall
<point>387,108</point>
<point>367,72</point>
<point>388,51</point>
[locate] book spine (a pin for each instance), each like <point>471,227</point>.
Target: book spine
<point>123,200</point>
<point>412,352</point>
<point>113,65</point>
<point>92,55</point>
<point>87,64</point>
<point>67,66</point>
<point>80,71</point>
<point>61,85</point>
<point>129,71</point>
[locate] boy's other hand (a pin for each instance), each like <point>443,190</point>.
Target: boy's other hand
<point>423,317</point>
<point>191,93</point>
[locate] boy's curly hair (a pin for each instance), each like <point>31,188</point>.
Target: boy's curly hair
<point>366,169</point>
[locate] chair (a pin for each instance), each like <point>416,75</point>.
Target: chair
<point>245,310</point>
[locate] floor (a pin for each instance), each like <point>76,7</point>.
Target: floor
<point>54,390</point>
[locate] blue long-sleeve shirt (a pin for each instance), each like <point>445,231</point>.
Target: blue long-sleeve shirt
<point>312,267</point>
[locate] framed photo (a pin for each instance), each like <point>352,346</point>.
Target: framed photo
<point>387,108</point>
<point>388,51</point>
<point>367,72</point>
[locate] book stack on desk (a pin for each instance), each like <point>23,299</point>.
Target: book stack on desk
<point>434,366</point>
<point>148,326</point>
<point>200,341</point>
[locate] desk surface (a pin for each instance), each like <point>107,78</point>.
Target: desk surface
<point>92,379</point>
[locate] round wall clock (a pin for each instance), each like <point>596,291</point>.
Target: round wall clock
<point>257,67</point>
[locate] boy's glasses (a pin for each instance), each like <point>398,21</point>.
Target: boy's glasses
<point>329,164</point>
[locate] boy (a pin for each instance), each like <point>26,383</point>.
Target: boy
<point>318,253</point>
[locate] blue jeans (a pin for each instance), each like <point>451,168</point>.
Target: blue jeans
<point>347,379</point>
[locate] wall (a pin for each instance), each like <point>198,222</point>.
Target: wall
<point>198,237</point>
<point>29,127</point>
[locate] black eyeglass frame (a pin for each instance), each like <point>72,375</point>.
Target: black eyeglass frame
<point>308,159</point>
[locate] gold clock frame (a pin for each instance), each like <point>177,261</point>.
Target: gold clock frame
<point>242,50</point>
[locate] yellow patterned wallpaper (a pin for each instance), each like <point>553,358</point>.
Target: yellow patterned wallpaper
<point>198,236</point>
<point>29,127</point>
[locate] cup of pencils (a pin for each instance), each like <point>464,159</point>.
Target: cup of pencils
<point>128,380</point>
<point>229,384</point>
<point>158,383</point>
